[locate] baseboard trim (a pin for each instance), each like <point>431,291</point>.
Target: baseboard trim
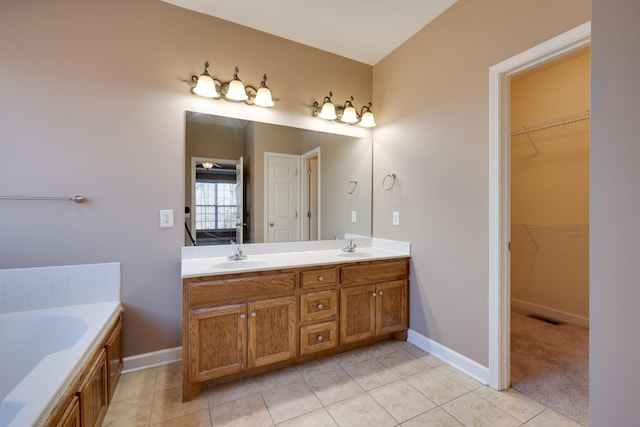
<point>470,367</point>
<point>151,360</point>
<point>554,314</point>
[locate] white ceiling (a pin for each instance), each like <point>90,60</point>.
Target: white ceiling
<point>363,30</point>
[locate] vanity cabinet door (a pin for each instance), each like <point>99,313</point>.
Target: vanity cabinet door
<point>71,416</point>
<point>357,313</point>
<point>93,393</point>
<point>114,357</point>
<point>218,339</point>
<point>391,304</point>
<point>272,330</point>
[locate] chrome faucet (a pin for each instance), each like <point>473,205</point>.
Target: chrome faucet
<point>351,246</point>
<point>237,255</point>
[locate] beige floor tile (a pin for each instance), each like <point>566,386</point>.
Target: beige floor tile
<point>436,417</point>
<point>353,356</point>
<point>550,418</point>
<point>333,386</point>
<point>228,392</point>
<point>311,369</point>
<point>436,386</point>
<point>403,363</point>
<point>167,405</point>
<point>401,400</point>
<point>277,378</point>
<point>248,411</point>
<point>134,412</point>
<point>317,418</point>
<point>135,384</point>
<point>513,403</point>
<point>290,400</point>
<point>459,377</point>
<point>360,410</point>
<point>169,376</point>
<point>472,410</point>
<point>197,419</point>
<point>386,347</point>
<point>424,356</point>
<point>370,373</point>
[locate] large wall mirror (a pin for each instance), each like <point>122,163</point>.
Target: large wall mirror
<point>252,182</point>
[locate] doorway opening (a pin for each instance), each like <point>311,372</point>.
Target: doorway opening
<point>499,190</point>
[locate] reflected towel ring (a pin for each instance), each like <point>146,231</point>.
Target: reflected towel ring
<point>388,177</point>
<point>351,186</point>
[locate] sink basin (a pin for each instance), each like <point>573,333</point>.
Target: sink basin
<point>239,264</point>
<point>355,254</point>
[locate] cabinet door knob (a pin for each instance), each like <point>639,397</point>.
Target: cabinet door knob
<point>253,314</point>
<point>373,294</point>
<point>380,293</point>
<point>320,306</point>
<point>243,316</point>
<point>320,338</point>
<point>320,278</point>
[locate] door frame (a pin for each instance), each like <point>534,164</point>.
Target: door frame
<point>500,187</point>
<point>304,192</point>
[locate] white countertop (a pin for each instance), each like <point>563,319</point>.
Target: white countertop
<point>211,260</point>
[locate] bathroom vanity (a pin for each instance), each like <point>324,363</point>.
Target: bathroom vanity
<point>276,309</point>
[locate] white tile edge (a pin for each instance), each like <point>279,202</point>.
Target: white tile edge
<point>153,359</point>
<point>470,367</point>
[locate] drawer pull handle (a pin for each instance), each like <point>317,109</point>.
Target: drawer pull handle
<point>320,306</point>
<point>243,316</point>
<point>320,338</point>
<point>320,278</point>
<point>253,314</point>
<point>380,293</point>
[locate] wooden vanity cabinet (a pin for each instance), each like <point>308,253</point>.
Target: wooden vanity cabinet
<point>71,416</point>
<point>243,324</point>
<point>93,393</point>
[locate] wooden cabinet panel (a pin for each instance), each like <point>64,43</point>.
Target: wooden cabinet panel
<point>317,337</point>
<point>374,272</point>
<point>357,313</point>
<point>240,289</point>
<point>71,416</point>
<point>93,393</point>
<point>319,278</point>
<point>391,307</point>
<point>316,306</point>
<point>115,360</point>
<point>272,334</point>
<point>217,341</point>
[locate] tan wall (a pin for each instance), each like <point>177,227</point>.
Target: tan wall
<point>615,203</point>
<point>550,263</point>
<point>92,90</point>
<point>432,99</point>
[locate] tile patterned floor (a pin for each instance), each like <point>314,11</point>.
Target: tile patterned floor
<point>388,384</point>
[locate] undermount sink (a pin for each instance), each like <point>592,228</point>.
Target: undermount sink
<point>244,263</point>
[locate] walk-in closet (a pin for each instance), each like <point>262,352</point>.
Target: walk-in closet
<point>549,178</point>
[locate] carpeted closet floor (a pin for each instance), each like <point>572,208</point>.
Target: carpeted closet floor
<point>550,364</point>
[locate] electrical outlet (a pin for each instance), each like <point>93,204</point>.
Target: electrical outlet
<point>353,216</point>
<point>396,218</point>
<point>166,218</point>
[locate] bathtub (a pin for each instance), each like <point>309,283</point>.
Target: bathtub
<point>41,352</point>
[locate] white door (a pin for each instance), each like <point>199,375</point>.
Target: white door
<point>281,198</point>
<point>239,200</point>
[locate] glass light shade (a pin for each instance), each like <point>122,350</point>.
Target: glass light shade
<point>206,87</point>
<point>263,97</point>
<point>236,91</point>
<point>207,165</point>
<point>349,115</point>
<point>367,120</point>
<point>328,111</point>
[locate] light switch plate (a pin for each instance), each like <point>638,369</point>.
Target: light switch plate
<point>353,216</point>
<point>166,218</point>
<point>396,218</point>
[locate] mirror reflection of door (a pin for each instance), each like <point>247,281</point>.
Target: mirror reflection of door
<point>311,195</point>
<point>216,211</point>
<point>281,198</point>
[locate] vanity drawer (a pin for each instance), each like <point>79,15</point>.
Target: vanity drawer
<point>319,278</point>
<point>239,289</point>
<point>318,306</point>
<point>374,271</point>
<point>318,337</point>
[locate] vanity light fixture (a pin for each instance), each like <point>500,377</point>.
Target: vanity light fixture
<point>234,90</point>
<point>345,114</point>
